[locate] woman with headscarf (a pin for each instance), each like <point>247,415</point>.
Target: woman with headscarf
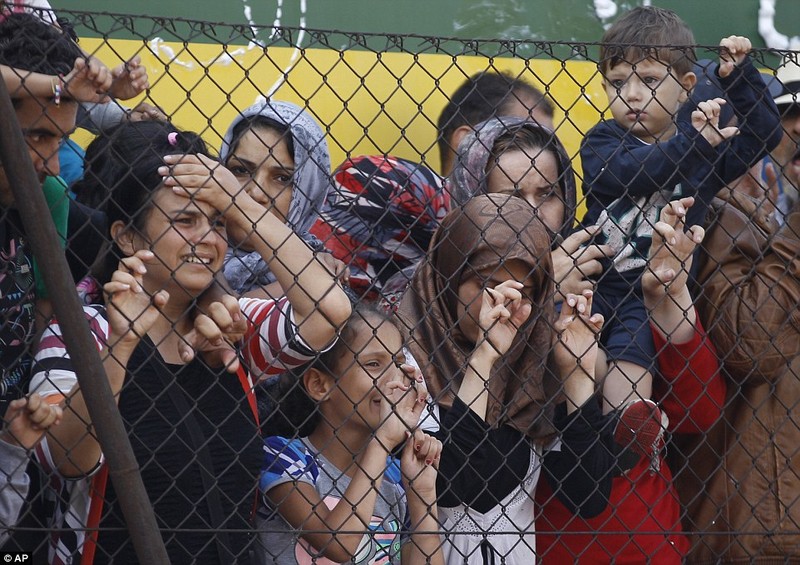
<point>380,220</point>
<point>479,311</point>
<point>279,154</point>
<point>514,156</point>
<point>642,520</point>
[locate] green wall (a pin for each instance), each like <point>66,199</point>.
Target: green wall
<point>552,20</point>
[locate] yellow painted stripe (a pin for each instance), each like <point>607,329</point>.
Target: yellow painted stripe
<point>393,111</point>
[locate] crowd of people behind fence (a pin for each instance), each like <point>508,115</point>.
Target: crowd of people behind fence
<point>383,363</point>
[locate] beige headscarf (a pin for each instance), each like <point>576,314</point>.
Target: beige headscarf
<point>487,231</point>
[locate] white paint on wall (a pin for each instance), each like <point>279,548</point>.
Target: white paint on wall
<point>160,48</point>
<point>769,33</point>
<point>607,9</point>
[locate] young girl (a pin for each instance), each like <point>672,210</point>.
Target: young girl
<point>479,312</point>
<point>336,495</point>
<point>280,156</point>
<point>192,426</point>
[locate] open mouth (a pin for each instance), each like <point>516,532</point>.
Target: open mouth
<point>195,260</point>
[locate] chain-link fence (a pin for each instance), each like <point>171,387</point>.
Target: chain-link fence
<point>323,352</point>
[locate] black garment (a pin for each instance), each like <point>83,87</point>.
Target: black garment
<point>169,465</point>
<point>480,466</point>
<point>88,232</point>
<point>582,471</point>
<point>17,308</point>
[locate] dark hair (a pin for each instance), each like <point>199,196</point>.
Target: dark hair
<point>122,173</point>
<point>483,96</point>
<point>648,31</point>
<point>292,411</point>
<point>258,121</point>
<point>27,43</point>
<point>521,137</point>
<point>100,170</point>
<point>527,136</point>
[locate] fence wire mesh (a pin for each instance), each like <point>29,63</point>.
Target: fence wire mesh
<point>377,298</point>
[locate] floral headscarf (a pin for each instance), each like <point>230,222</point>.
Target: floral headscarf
<point>382,215</point>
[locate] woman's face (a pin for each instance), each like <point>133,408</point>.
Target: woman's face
<point>262,163</point>
<point>533,176</point>
<point>474,283</point>
<point>188,240</point>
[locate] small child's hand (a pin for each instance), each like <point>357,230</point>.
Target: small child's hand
<point>733,52</point>
<point>27,420</point>
<point>129,79</point>
<point>418,464</point>
<point>577,331</point>
<point>503,311</point>
<point>131,310</point>
<point>706,120</point>
<point>402,405</point>
<point>671,250</point>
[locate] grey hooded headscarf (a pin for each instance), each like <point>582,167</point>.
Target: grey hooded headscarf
<point>311,186</point>
<point>469,174</point>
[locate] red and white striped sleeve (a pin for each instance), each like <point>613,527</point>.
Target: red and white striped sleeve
<point>52,368</point>
<point>272,344</point>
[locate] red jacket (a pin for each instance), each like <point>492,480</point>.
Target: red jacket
<point>642,521</point>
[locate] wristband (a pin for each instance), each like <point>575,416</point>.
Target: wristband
<point>57,90</point>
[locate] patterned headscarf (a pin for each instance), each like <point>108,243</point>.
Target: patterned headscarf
<point>470,172</point>
<point>381,218</point>
<point>311,185</point>
<point>483,234</point>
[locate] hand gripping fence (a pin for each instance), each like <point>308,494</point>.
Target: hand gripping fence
<point>365,149</point>
<point>123,468</point>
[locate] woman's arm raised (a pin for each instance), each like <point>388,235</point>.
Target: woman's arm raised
<point>319,303</point>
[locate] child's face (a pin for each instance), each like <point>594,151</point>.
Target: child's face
<point>645,97</point>
<point>533,176</point>
<point>373,357</point>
